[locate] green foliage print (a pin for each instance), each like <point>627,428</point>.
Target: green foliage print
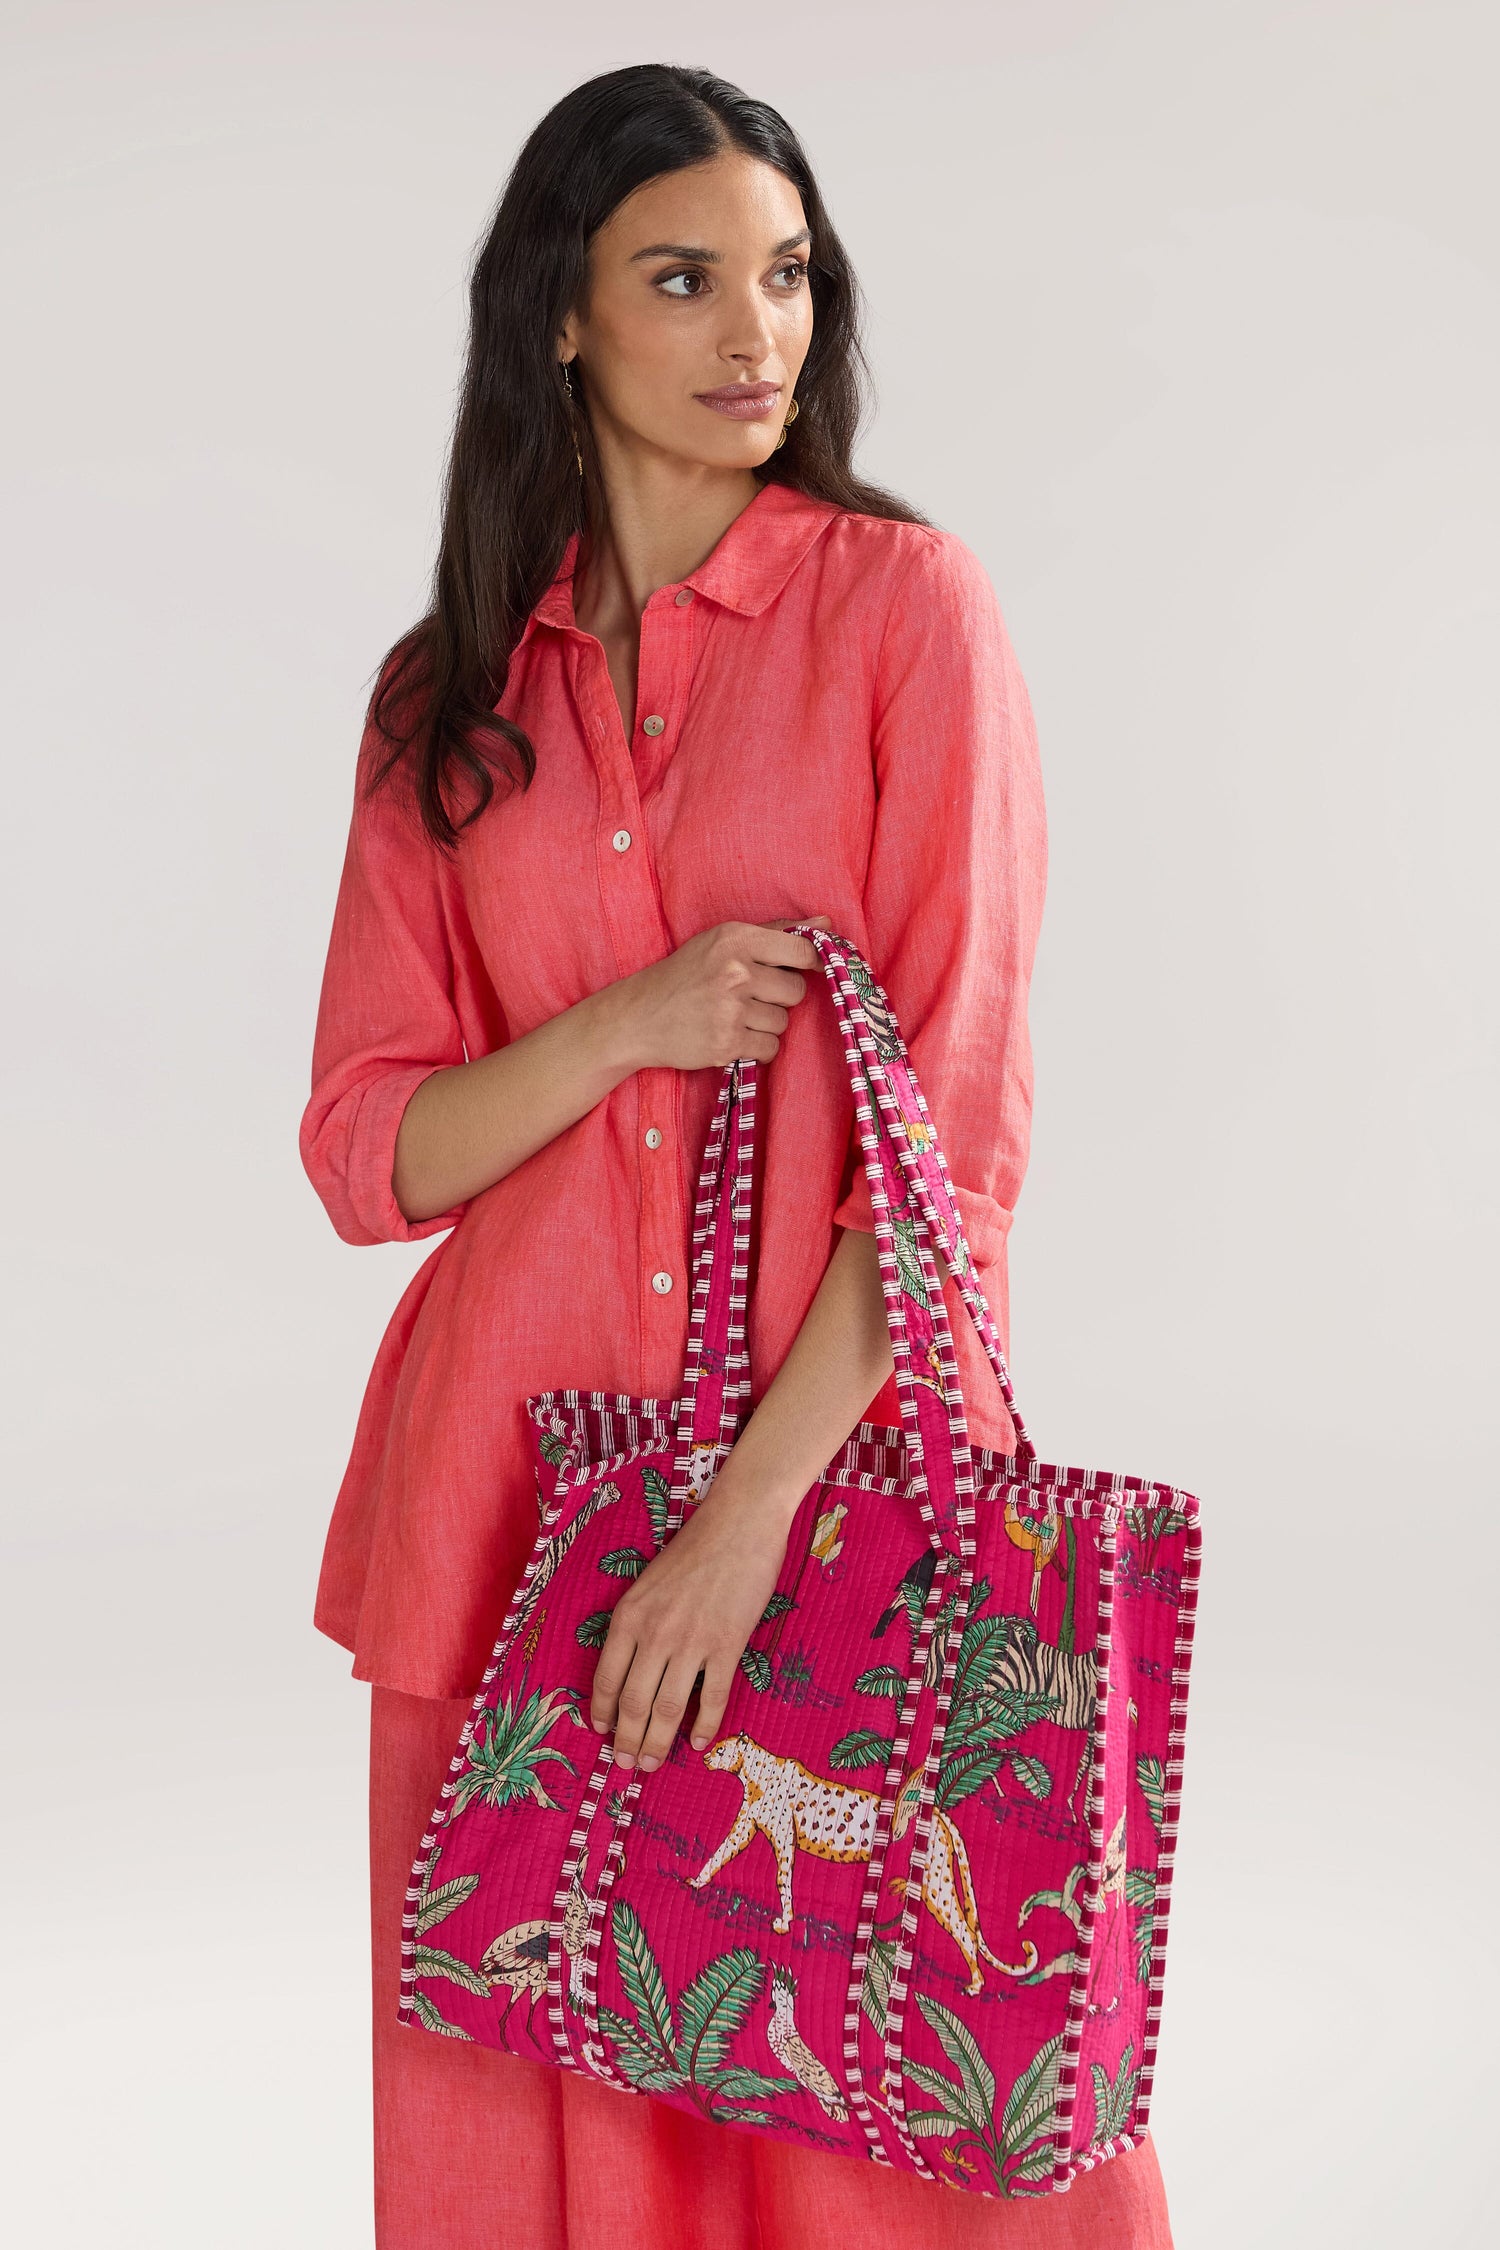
<point>917,1132</point>
<point>1114,2099</point>
<point>1140,1882</point>
<point>658,1491</point>
<point>554,1448</point>
<point>1151,1526</point>
<point>880,1969</point>
<point>593,1630</point>
<point>662,2050</point>
<point>433,1904</point>
<point>755,1663</point>
<point>1016,2144</point>
<point>629,1562</point>
<point>985,1714</point>
<point>909,1260</point>
<point>507,1744</point>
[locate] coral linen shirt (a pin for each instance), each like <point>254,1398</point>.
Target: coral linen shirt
<point>830,719</point>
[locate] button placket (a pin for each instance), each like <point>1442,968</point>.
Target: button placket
<point>666,666</point>
<point>630,767</point>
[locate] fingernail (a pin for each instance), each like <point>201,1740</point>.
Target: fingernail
<point>624,1758</point>
<point>649,1765</point>
<point>598,1726</point>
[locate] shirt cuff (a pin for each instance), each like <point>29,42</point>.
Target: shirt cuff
<point>372,1159</point>
<point>985,1222</point>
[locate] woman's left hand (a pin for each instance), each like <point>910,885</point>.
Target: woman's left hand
<point>693,1608</point>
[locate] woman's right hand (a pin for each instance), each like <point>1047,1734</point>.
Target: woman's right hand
<point>724,993</point>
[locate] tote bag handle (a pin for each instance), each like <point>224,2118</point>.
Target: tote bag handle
<point>913,1206</point>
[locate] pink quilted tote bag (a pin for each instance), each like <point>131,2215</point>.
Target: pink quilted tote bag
<point>910,1906</point>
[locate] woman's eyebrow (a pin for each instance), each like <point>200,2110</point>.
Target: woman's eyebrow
<point>703,257</point>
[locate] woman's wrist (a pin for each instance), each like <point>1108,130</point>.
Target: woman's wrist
<point>745,1490</point>
<point>613,1016</point>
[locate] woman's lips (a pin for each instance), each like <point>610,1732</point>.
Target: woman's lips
<point>742,402</point>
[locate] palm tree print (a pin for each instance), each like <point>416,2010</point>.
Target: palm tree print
<point>1016,2145</point>
<point>431,1960</point>
<point>1114,2100</point>
<point>662,2049</point>
<point>506,1745</point>
<point>880,1969</point>
<point>983,1715</point>
<point>1140,1882</point>
<point>1139,1566</point>
<point>553,1447</point>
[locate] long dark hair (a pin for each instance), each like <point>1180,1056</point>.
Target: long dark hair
<point>512,494</point>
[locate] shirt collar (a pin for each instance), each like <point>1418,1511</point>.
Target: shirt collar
<point>745,571</point>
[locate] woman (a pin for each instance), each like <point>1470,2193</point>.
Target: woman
<point>686,681</point>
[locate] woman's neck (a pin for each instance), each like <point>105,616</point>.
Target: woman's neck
<point>651,537</point>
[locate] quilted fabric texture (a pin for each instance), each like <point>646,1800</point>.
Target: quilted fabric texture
<point>910,1905</point>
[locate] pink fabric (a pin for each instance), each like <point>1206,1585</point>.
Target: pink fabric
<point>846,732</point>
<point>475,2149</point>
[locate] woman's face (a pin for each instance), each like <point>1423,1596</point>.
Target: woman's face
<point>697,284</point>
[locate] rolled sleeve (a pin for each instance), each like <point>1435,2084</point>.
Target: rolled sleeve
<point>954,888</point>
<point>386,1016</point>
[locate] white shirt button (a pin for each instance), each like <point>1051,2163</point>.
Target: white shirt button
<point>684,597</point>
<point>621,839</point>
<point>661,1283</point>
<point>653,1137</point>
<point>653,725</point>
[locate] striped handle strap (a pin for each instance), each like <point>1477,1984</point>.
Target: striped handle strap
<point>913,1206</point>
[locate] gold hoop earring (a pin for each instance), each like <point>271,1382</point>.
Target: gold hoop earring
<point>791,416</point>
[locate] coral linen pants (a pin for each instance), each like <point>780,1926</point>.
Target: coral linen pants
<point>476,2150</point>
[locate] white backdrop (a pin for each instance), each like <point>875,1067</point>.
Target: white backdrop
<point>1186,319</point>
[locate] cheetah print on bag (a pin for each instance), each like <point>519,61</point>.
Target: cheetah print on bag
<point>796,1810</point>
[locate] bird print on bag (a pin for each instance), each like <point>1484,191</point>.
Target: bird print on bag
<point>915,1581</point>
<point>1033,1524</point>
<point>516,1962</point>
<point>792,2051</point>
<point>827,1545</point>
<point>575,1930</point>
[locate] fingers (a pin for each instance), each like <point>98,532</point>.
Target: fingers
<point>642,1700</point>
<point>776,946</point>
<point>668,1704</point>
<point>650,1708</point>
<point>712,1697</point>
<point>637,1696</point>
<point>611,1672</point>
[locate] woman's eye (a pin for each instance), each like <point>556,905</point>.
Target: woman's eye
<point>677,284</point>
